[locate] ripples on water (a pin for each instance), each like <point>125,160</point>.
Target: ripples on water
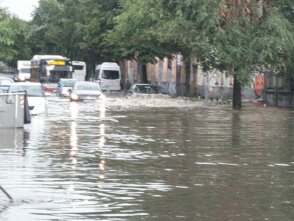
<point>149,158</point>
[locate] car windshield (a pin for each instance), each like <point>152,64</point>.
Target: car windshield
<point>147,89</point>
<point>31,90</point>
<point>68,83</point>
<point>88,87</point>
<point>55,76</point>
<point>25,70</point>
<point>6,81</point>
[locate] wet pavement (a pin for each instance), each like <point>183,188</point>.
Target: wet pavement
<point>149,158</point>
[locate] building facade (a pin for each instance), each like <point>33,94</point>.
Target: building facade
<point>178,79</point>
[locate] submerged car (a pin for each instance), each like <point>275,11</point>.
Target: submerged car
<point>36,98</point>
<point>64,85</point>
<point>5,82</point>
<point>85,90</point>
<point>145,89</point>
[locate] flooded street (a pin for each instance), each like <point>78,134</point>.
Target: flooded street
<point>152,158</point>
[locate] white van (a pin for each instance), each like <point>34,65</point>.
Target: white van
<point>79,70</point>
<point>108,75</point>
<point>23,70</point>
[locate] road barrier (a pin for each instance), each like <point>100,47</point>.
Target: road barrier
<point>14,110</point>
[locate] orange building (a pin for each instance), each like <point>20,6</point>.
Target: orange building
<point>258,84</point>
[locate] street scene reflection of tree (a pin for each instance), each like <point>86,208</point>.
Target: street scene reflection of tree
<point>236,130</point>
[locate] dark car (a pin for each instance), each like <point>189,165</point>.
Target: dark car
<point>64,85</point>
<point>85,90</point>
<point>5,82</point>
<point>145,89</point>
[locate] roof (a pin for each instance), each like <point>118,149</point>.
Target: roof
<point>108,64</point>
<point>49,57</point>
<point>78,62</point>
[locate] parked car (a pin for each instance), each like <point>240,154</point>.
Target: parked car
<point>4,84</point>
<point>36,97</point>
<point>145,89</point>
<point>85,90</point>
<point>64,85</point>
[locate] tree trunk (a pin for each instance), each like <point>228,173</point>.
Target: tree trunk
<point>178,81</point>
<point>123,75</point>
<point>178,74</point>
<point>237,99</point>
<point>188,77</point>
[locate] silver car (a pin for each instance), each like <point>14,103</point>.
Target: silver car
<point>85,90</point>
<point>36,98</point>
<point>64,85</point>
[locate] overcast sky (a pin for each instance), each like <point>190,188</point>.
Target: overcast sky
<point>20,8</point>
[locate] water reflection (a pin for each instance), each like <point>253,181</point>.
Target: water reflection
<point>12,138</point>
<point>102,112</point>
<point>74,110</point>
<point>158,159</point>
<point>73,138</point>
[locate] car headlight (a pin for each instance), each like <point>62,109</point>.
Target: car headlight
<point>74,96</point>
<point>102,97</point>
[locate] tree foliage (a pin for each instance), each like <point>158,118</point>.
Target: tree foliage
<point>96,19</point>
<point>254,35</point>
<point>236,36</point>
<point>75,28</point>
<point>231,35</point>
<point>6,37</point>
<point>49,34</point>
<point>13,39</point>
<point>159,28</point>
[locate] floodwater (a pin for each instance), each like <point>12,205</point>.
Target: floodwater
<point>149,158</point>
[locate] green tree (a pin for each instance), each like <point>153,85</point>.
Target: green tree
<point>96,19</point>
<point>74,28</point>
<point>287,7</point>
<point>13,38</point>
<point>159,28</point>
<point>6,36</point>
<point>47,34</point>
<point>253,35</point>
<point>231,35</point>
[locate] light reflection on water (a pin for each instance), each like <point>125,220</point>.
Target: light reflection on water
<point>149,159</point>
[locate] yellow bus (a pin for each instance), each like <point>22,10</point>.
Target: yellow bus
<point>48,69</point>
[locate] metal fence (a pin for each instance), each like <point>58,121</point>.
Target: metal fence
<point>280,98</point>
